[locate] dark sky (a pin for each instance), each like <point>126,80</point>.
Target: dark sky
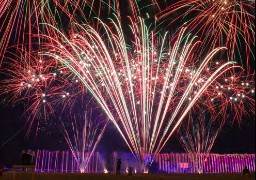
<point>233,139</point>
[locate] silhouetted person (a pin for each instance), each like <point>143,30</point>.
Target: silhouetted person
<point>118,167</point>
<point>246,171</point>
<point>130,171</point>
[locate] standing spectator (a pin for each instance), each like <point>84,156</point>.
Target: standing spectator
<point>118,167</point>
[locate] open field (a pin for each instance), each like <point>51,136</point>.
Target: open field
<point>57,176</point>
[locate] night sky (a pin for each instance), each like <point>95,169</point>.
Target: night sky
<point>234,138</point>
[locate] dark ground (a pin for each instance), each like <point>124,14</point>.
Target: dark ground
<point>56,176</point>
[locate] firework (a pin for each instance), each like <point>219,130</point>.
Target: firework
<point>82,137</point>
<point>146,88</point>
<point>39,84</point>
<point>204,123</point>
<point>220,23</point>
<point>145,82</point>
<point>198,138</point>
<point>22,19</point>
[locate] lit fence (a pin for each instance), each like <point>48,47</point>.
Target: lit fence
<point>63,161</point>
<point>212,163</point>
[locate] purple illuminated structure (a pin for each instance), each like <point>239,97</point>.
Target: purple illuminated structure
<point>64,162</point>
<point>213,163</point>
<point>57,161</point>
